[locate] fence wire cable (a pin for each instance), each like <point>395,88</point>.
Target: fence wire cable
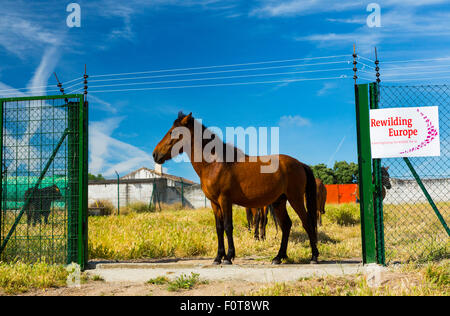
<point>343,76</point>
<point>219,71</point>
<point>219,66</point>
<point>219,78</point>
<point>38,87</point>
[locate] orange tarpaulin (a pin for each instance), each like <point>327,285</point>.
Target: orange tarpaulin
<point>341,193</point>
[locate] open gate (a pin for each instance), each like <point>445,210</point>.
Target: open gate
<point>43,215</point>
<point>410,223</point>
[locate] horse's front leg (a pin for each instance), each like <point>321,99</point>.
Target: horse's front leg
<point>220,230</point>
<point>227,209</point>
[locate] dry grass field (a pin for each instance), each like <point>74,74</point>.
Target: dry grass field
<point>138,234</point>
<point>192,233</point>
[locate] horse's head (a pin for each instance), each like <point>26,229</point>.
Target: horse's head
<point>385,178</point>
<point>163,150</point>
<point>56,192</point>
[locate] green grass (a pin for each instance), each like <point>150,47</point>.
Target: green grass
<point>20,277</point>
<point>438,274</point>
<point>158,280</point>
<point>183,282</point>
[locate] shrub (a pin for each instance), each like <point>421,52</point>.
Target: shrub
<point>184,282</point>
<point>139,207</point>
<point>105,207</point>
<point>343,214</point>
<point>20,277</point>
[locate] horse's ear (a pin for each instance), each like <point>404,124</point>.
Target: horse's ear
<point>186,119</point>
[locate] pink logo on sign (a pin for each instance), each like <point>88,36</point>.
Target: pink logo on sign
<point>431,134</point>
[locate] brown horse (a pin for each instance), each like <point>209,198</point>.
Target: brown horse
<point>321,199</point>
<point>257,218</point>
<point>241,182</point>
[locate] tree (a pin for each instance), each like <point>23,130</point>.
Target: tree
<point>95,177</point>
<point>345,172</point>
<point>324,173</point>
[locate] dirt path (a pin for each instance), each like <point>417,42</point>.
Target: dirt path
<point>247,270</point>
<point>101,288</point>
<point>245,276</point>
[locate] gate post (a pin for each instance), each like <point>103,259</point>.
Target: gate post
<point>1,173</point>
<point>377,181</point>
<point>365,174</point>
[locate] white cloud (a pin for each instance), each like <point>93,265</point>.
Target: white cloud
<point>327,86</point>
<point>398,25</point>
<point>44,71</point>
<point>297,120</point>
<point>22,34</point>
<point>277,8</point>
<point>24,153</point>
<point>104,105</point>
<point>108,154</point>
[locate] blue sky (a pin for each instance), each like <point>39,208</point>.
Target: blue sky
<point>316,118</point>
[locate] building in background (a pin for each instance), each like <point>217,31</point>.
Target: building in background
<point>148,186</point>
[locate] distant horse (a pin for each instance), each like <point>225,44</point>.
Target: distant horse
<point>241,182</point>
<point>321,199</point>
<point>40,203</point>
<point>257,218</point>
<point>385,183</point>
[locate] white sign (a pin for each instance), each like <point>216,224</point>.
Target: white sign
<point>405,132</point>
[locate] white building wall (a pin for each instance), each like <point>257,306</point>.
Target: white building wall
<point>142,192</point>
<point>128,193</point>
<point>408,191</point>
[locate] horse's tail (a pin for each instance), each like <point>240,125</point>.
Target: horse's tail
<point>272,212</point>
<point>311,199</point>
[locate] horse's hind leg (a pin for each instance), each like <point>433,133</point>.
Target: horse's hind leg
<point>220,231</point>
<point>249,218</point>
<point>257,221</point>
<point>285,224</point>
<point>298,205</point>
<point>263,222</point>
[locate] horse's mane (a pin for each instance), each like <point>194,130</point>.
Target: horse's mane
<point>237,152</point>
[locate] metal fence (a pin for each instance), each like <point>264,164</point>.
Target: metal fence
<point>414,223</point>
<point>405,208</point>
<point>43,213</point>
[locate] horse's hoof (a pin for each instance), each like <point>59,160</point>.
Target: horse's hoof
<point>314,260</point>
<point>276,261</point>
<point>216,263</point>
<point>227,262</point>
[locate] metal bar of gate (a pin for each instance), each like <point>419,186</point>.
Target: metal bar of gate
<point>377,182</point>
<point>427,195</point>
<point>41,177</point>
<point>1,173</point>
<point>365,174</point>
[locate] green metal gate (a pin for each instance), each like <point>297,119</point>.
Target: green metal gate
<point>43,213</point>
<point>410,224</point>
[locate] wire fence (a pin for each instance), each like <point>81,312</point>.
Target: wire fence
<point>122,196</point>
<point>412,229</point>
<point>43,198</point>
